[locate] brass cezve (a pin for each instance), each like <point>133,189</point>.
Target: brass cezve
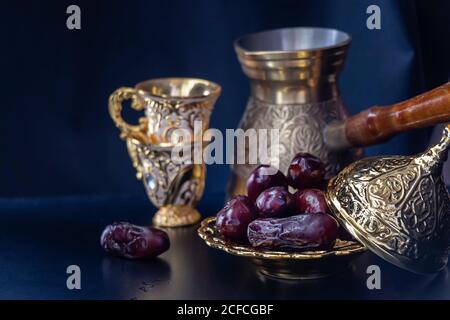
<point>293,75</point>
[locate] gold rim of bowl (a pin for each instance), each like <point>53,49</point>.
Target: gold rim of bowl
<point>209,234</point>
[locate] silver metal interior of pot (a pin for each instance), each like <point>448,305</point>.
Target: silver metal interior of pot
<point>293,39</point>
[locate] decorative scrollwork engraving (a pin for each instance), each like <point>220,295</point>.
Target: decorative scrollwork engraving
<point>166,116</point>
<point>399,205</point>
<point>301,127</point>
<point>167,182</point>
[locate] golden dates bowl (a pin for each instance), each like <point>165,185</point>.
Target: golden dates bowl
<point>282,264</point>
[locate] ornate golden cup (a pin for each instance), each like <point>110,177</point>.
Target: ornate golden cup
<point>399,207</point>
<point>169,104</point>
<point>173,186</point>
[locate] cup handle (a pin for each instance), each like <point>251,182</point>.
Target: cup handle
<point>115,111</point>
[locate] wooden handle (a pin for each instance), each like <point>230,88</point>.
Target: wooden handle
<point>378,124</point>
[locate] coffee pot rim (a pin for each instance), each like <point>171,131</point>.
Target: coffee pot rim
<point>311,34</point>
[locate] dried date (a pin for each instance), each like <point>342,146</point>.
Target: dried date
<point>126,240</point>
<point>305,231</point>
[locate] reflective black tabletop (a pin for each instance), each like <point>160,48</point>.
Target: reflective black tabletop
<point>40,238</point>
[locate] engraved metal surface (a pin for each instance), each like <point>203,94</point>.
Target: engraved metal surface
<point>282,264</point>
<point>294,88</point>
<point>398,206</point>
<point>301,127</point>
<point>168,115</point>
<point>169,104</point>
<point>209,234</point>
<point>173,187</point>
<point>167,182</point>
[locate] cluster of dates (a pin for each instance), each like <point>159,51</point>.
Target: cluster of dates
<point>271,217</point>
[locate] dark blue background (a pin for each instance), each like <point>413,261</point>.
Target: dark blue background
<point>56,136</point>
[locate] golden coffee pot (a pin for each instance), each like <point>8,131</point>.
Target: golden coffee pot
<point>399,207</point>
<point>293,76</point>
